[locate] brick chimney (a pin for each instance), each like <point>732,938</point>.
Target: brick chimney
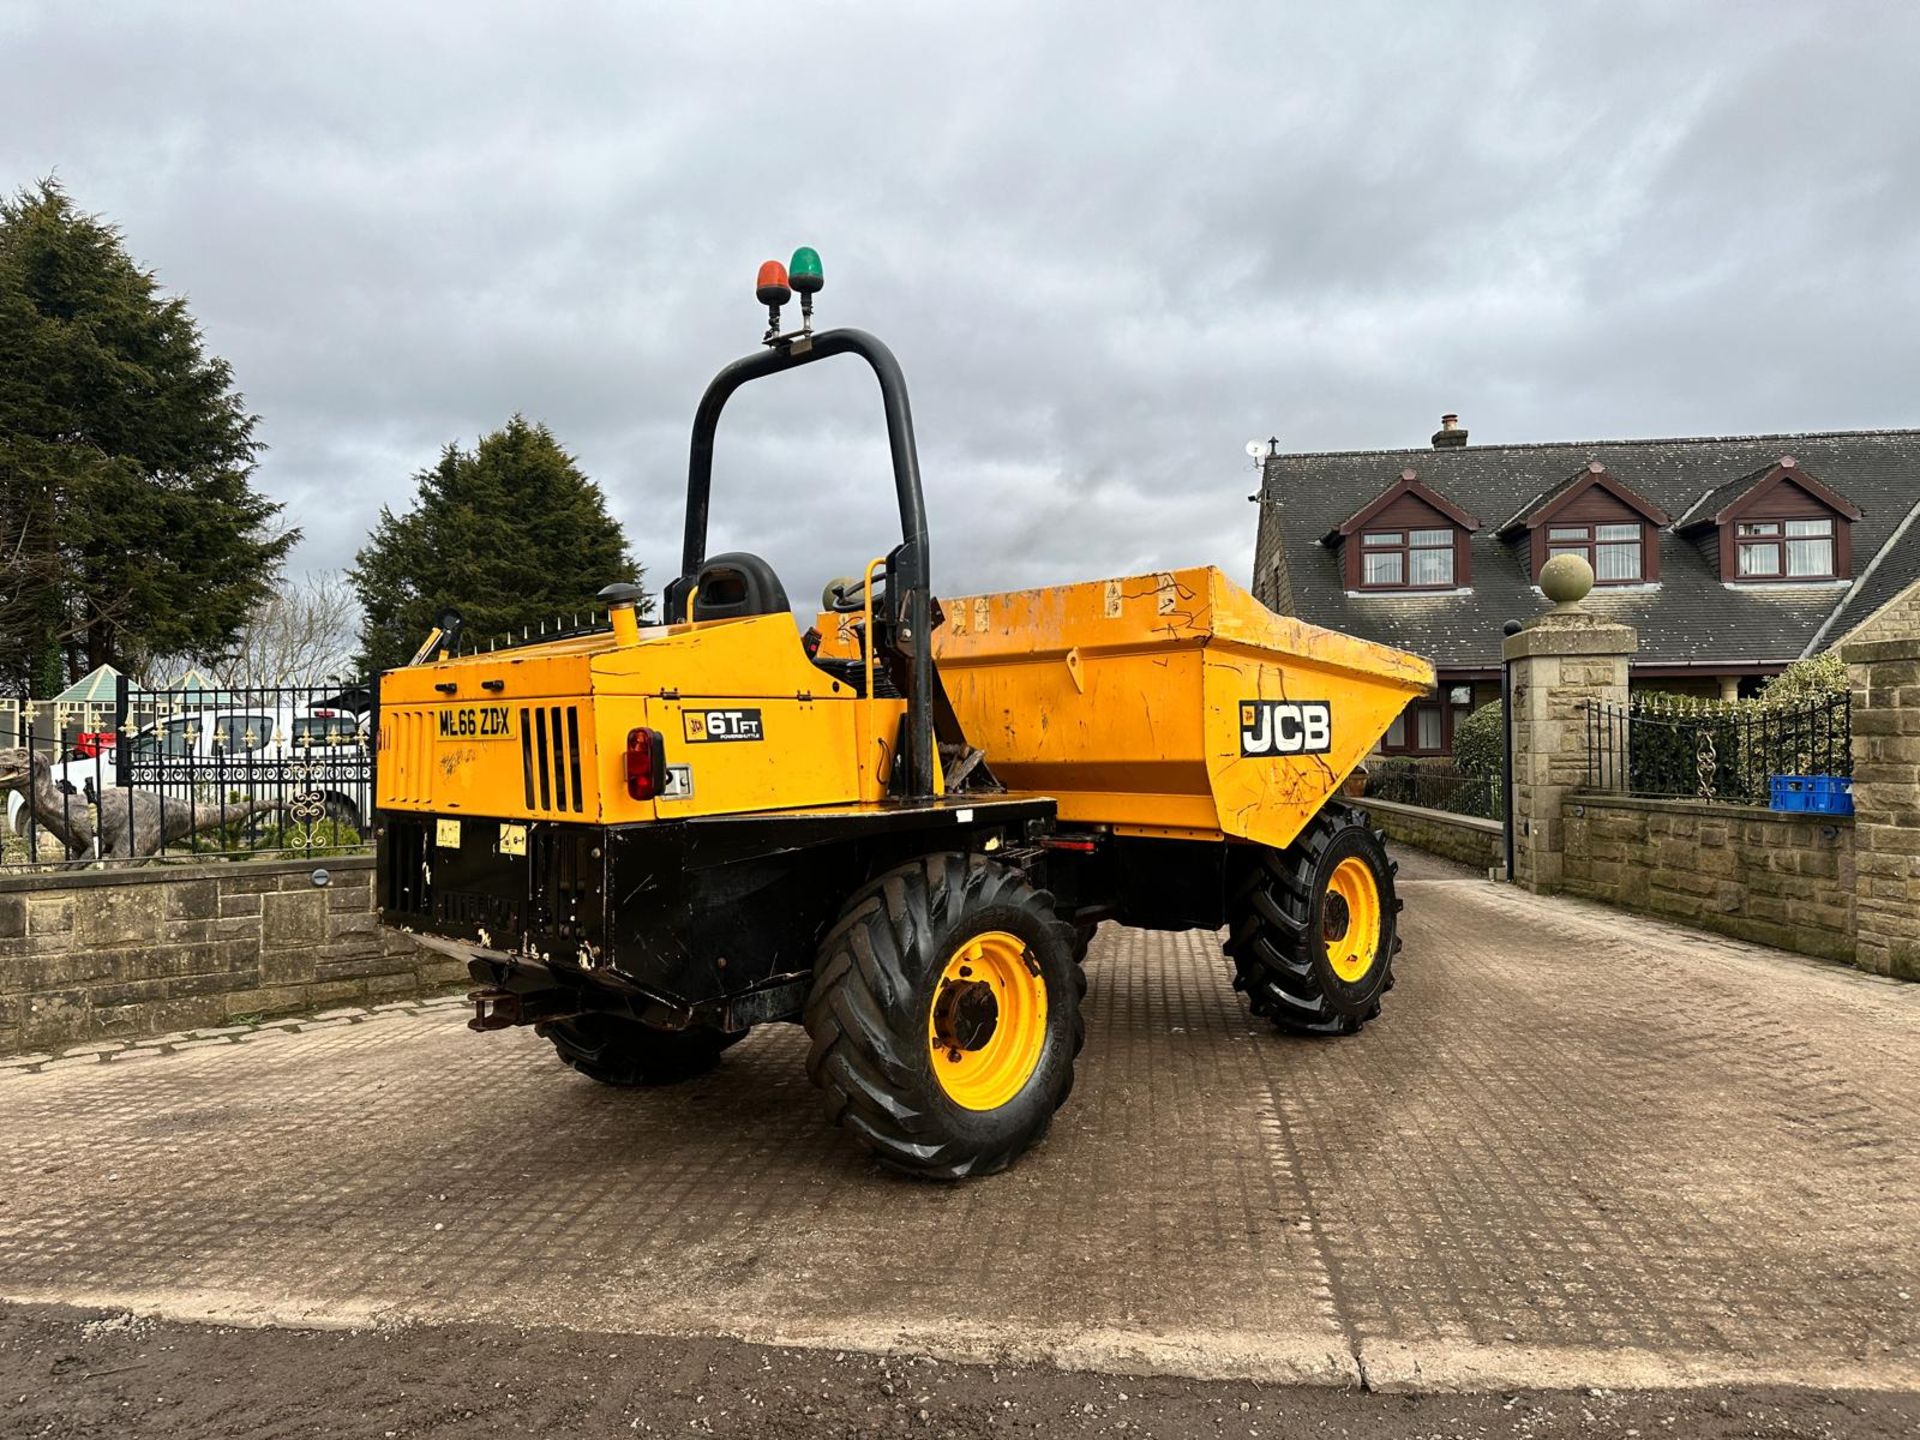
<point>1450,435</point>
<point>1272,574</point>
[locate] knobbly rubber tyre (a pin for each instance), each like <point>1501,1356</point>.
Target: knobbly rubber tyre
<point>1281,916</point>
<point>618,1051</point>
<point>872,1014</point>
<point>1083,940</point>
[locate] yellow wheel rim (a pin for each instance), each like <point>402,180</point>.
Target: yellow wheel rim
<point>987,1022</point>
<point>1350,919</point>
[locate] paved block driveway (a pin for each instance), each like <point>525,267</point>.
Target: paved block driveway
<point>1578,1148</point>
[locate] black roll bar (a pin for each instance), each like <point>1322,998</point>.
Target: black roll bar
<point>909,571</point>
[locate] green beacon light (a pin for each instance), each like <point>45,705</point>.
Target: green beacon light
<point>806,278</point>
<point>804,270</point>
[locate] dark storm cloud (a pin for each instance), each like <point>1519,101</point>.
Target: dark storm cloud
<point>1109,243</point>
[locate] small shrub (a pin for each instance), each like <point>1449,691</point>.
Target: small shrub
<point>266,833</point>
<point>1479,741</point>
<point>1797,725</point>
<point>294,838</point>
<point>320,837</point>
<point>1806,682</point>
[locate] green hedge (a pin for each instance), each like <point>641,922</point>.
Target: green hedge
<point>1479,741</point>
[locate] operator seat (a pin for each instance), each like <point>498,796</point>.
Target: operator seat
<point>738,584</point>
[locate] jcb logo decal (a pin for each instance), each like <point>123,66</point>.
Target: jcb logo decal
<point>1285,727</point>
<point>703,725</point>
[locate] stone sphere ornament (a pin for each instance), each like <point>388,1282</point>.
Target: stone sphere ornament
<point>1566,579</point>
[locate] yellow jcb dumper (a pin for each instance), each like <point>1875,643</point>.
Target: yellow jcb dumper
<point>898,828</point>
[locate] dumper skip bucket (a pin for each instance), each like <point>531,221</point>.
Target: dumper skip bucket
<point>1171,704</point>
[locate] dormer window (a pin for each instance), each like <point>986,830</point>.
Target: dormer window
<point>1778,525</point>
<point>1614,551</point>
<point>1598,517</point>
<point>1786,549</point>
<point>1407,559</point>
<point>1407,538</point>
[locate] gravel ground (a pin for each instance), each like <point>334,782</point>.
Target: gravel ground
<point>68,1372</point>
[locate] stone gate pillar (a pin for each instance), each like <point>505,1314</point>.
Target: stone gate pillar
<point>1561,661</point>
<point>1883,671</point>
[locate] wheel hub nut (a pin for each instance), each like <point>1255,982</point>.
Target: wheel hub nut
<point>1334,918</point>
<point>965,1015</point>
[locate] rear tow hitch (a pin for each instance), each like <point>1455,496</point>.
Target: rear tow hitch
<point>494,1010</point>
<point>497,1009</point>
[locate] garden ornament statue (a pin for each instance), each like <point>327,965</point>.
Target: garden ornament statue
<point>130,824</point>
<point>66,817</point>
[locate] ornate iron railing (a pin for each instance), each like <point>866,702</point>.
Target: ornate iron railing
<point>1727,751</point>
<point>193,772</point>
<point>1436,787</point>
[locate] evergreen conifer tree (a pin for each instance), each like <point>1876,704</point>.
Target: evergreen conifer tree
<point>509,534</point>
<point>129,528</point>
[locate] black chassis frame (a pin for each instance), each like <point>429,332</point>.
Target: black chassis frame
<point>716,920</point>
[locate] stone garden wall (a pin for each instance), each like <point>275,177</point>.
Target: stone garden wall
<point>1845,887</point>
<point>99,954</point>
<point>1761,875</point>
<point>1465,838</point>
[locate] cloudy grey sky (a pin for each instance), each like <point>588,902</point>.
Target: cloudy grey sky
<point>1110,243</point>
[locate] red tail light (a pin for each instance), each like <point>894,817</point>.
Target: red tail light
<point>1080,844</point>
<point>646,763</point>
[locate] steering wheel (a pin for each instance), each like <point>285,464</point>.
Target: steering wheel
<point>845,596</point>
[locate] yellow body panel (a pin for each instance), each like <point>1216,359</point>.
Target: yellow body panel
<point>1170,704</point>
<point>753,723</point>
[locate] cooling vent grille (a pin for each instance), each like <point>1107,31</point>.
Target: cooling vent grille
<point>550,757</point>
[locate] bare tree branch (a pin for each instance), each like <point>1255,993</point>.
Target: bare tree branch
<point>303,634</point>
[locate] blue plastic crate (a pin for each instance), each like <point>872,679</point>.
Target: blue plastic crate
<point>1814,794</point>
